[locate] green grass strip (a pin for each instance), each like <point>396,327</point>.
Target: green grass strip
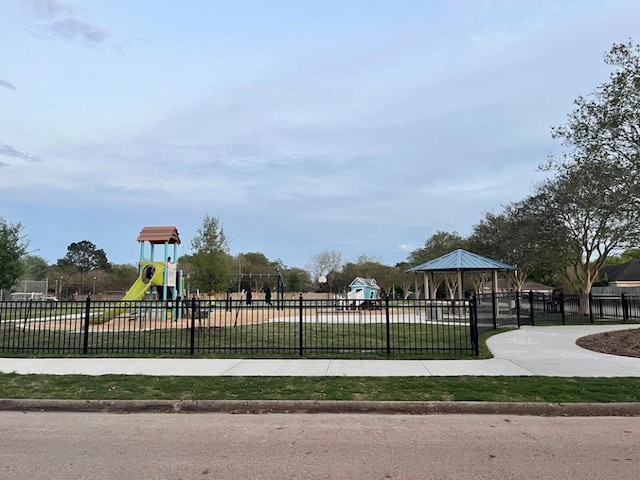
<point>496,389</point>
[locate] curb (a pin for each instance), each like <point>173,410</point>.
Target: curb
<point>312,406</point>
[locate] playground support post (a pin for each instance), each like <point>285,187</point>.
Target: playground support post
<point>227,301</point>
<point>238,310</point>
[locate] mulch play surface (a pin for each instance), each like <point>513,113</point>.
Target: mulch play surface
<point>620,342</point>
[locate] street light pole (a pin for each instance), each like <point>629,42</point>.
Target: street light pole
<point>93,291</point>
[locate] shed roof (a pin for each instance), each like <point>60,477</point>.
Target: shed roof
<point>167,234</point>
<point>368,282</point>
<point>461,260</point>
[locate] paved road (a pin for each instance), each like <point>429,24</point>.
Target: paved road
<point>71,446</point>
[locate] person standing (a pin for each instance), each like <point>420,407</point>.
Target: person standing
<point>267,295</point>
<point>249,296</point>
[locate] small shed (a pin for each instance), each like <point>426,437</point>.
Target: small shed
<point>368,286</point>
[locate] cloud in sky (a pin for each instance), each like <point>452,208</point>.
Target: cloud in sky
<point>61,19</point>
<point>9,151</point>
<point>304,126</point>
<point>5,84</point>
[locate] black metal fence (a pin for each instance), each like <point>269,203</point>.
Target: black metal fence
<point>532,308</point>
<point>287,328</point>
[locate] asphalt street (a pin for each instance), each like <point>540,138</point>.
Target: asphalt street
<point>95,446</point>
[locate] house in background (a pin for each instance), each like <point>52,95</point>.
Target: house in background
<point>368,286</point>
<point>622,276</point>
<point>536,288</point>
<point>505,286</point>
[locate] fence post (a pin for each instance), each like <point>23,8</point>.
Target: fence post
<point>600,308</point>
<point>518,307</point>
<point>473,324</point>
<point>192,344</point>
<point>300,333</point>
<point>590,300</point>
<point>386,308</point>
<point>562,310</point>
<point>533,322</point>
<point>85,341</point>
<point>494,309</point>
<point>625,307</point>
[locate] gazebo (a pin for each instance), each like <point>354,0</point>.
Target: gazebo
<point>459,262</point>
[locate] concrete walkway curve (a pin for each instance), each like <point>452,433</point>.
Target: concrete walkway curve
<point>545,351</point>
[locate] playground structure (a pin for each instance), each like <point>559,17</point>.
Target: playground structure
<point>155,271</point>
<point>239,278</point>
<point>363,294</point>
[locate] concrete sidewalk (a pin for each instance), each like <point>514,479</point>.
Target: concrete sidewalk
<point>545,351</point>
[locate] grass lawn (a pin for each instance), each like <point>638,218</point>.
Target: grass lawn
<point>265,340</point>
<point>498,389</point>
<point>469,388</point>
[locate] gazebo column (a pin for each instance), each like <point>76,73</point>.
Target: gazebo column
<point>427,287</point>
<point>460,291</point>
<point>433,292</point>
<point>428,305</point>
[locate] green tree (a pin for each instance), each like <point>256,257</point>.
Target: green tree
<point>519,236</point>
<point>605,126</point>
<point>595,192</point>
<point>599,209</point>
<point>208,266</point>
<point>210,237</point>
<point>404,282</point>
<point>207,272</point>
<point>625,257</point>
<point>296,279</point>
<point>440,243</point>
<point>84,256</point>
<point>13,245</point>
<point>120,277</point>
<point>247,264</point>
<point>34,267</point>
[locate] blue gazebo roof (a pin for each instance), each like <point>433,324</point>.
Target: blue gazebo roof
<point>461,260</point>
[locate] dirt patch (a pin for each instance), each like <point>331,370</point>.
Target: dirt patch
<point>619,342</point>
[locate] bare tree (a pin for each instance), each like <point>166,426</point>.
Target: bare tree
<point>323,264</point>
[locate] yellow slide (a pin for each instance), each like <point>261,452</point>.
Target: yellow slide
<point>151,274</point>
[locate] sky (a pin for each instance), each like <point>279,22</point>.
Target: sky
<point>356,126</point>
